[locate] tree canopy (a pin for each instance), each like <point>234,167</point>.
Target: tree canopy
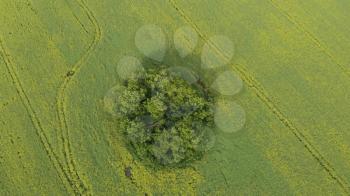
<point>164,118</point>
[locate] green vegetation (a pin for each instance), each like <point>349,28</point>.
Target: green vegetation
<point>164,117</point>
<point>292,55</point>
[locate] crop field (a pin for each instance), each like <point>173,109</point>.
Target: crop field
<point>58,59</point>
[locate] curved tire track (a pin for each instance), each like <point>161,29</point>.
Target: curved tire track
<point>261,93</point>
<point>61,102</point>
<point>34,118</point>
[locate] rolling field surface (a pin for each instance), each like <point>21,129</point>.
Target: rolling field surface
<point>59,58</point>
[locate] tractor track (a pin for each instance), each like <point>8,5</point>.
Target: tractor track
<point>313,38</point>
<point>61,100</point>
<point>34,118</point>
<point>261,93</point>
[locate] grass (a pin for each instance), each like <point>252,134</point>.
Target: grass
<point>292,56</point>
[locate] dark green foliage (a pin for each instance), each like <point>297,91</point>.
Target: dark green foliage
<point>164,117</point>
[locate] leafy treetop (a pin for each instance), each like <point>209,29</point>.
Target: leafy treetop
<point>164,118</point>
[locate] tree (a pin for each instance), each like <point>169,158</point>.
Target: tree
<point>164,118</point>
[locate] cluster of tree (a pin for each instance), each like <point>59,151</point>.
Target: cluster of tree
<point>164,118</point>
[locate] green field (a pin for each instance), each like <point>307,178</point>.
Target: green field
<point>59,58</point>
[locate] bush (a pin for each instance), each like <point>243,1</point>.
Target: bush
<point>164,117</point>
